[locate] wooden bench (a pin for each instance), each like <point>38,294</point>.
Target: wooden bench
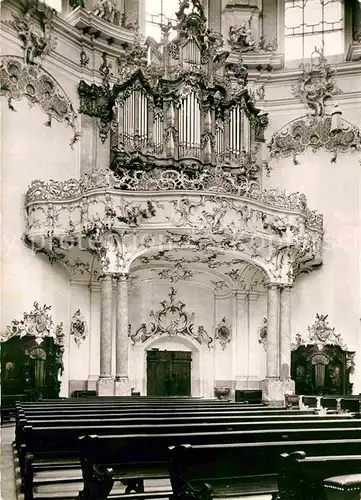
<point>224,470</point>
<point>234,469</point>
<point>345,487</point>
<point>52,448</point>
<point>302,476</point>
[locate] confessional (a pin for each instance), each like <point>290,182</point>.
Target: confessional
<point>321,371</point>
<point>30,370</point>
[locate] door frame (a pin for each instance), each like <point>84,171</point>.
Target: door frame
<point>177,344</point>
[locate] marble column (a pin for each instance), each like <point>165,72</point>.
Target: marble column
<point>122,385</point>
<point>105,383</point>
<point>285,333</point>
<point>278,382</point>
<point>273,300</point>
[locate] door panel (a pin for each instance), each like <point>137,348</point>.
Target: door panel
<point>169,373</point>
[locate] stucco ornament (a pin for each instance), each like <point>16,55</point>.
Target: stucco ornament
<point>316,83</point>
<point>262,334</point>
<point>178,272</point>
<point>172,320</point>
<point>319,334</point>
<point>314,133</point>
<point>240,37</point>
<point>37,323</point>
<point>223,333</point>
<point>19,80</point>
<point>34,27</point>
<point>78,327</point>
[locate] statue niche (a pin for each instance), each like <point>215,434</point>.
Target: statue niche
<point>321,364</point>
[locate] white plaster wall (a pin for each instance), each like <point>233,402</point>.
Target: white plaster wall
<point>79,355</point>
<point>146,296</point>
<point>333,189</point>
<point>30,151</point>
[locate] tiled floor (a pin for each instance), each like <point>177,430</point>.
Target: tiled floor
<point>7,463</point>
<point>8,491</point>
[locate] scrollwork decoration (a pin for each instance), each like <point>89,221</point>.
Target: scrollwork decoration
<point>78,327</point>
<point>320,333</point>
<point>34,27</point>
<point>223,333</point>
<point>316,83</point>
<point>39,87</point>
<point>262,334</point>
<point>171,320</point>
<point>37,323</point>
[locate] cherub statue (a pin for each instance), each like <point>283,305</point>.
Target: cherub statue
<point>105,9</point>
<point>241,37</point>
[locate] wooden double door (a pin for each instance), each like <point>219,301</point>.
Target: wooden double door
<point>169,373</point>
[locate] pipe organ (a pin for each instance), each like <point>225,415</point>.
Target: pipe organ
<point>186,103</point>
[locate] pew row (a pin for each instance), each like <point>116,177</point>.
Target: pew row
<point>197,471</point>
<point>302,476</point>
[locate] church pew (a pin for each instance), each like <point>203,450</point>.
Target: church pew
<point>130,427</point>
<point>302,476</point>
<point>58,445</point>
<point>185,419</point>
<point>154,448</point>
<point>234,469</point>
<point>345,487</point>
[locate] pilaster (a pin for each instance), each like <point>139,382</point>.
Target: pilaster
<point>122,384</point>
<point>105,382</point>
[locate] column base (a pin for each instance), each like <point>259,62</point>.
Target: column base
<point>274,390</point>
<point>122,386</point>
<point>105,386</point>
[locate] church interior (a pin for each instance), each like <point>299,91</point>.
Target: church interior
<point>181,249</point>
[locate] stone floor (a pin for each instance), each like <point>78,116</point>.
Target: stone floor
<point>8,488</point>
<point>7,463</point>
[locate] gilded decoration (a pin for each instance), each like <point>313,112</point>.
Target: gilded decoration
<point>223,333</point>
<point>320,333</point>
<point>37,323</point>
<point>19,80</point>
<point>34,28</point>
<point>78,327</point>
<point>172,320</point>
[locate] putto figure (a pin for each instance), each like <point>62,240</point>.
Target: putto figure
<point>240,37</point>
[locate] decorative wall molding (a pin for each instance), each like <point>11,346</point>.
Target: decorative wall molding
<point>34,27</point>
<point>78,327</point>
<point>223,332</point>
<point>19,80</point>
<point>37,323</point>
<point>262,334</point>
<point>171,319</point>
<point>320,333</point>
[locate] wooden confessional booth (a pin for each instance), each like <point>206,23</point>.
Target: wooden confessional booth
<point>321,372</point>
<point>30,370</point>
